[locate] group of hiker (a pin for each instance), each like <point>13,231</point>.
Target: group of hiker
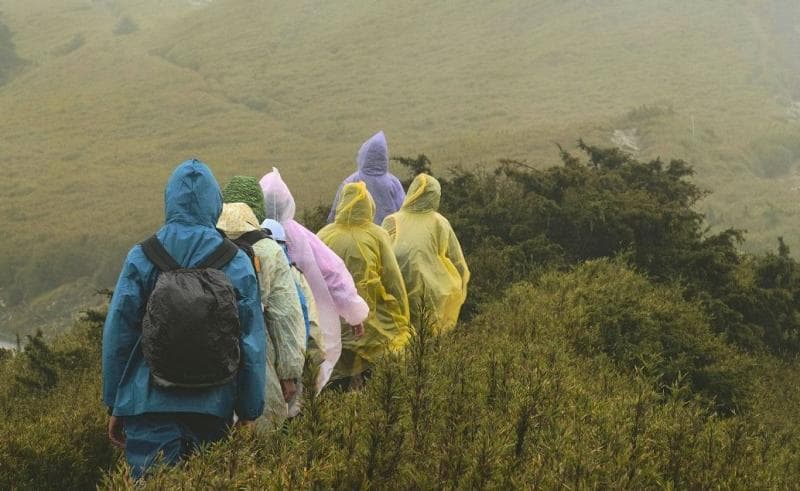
<point>215,318</point>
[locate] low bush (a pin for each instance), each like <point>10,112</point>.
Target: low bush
<point>52,428</point>
<point>521,398</point>
<point>518,221</point>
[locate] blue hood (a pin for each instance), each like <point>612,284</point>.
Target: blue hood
<point>192,196</point>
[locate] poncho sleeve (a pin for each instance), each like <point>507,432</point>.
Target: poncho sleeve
<point>350,306</point>
<point>398,193</point>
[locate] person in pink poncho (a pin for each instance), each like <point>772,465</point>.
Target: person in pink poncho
<point>334,291</point>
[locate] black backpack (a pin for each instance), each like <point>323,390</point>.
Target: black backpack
<point>246,242</point>
<point>190,329</point>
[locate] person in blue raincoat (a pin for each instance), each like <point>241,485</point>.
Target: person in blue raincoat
<point>146,419</point>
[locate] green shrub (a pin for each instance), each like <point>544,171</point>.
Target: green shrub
<point>9,61</point>
<point>75,43</point>
<point>514,400</point>
<point>52,425</point>
<point>124,26</point>
<point>518,221</point>
<point>642,326</point>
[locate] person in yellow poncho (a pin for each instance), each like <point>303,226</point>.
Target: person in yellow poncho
<point>366,250</point>
<point>430,257</point>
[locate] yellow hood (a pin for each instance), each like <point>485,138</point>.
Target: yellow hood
<point>424,195</point>
<point>237,219</point>
<point>356,206</point>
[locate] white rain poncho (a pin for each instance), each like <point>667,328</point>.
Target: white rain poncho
<point>286,330</point>
<point>334,291</point>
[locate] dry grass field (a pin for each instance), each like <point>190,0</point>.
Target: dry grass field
<point>99,100</point>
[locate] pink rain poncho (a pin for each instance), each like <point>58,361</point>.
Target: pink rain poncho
<point>373,170</point>
<point>332,285</point>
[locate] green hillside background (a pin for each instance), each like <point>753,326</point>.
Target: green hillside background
<point>101,99</point>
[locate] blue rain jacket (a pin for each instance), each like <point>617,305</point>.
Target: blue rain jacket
<point>193,204</point>
<point>301,295</point>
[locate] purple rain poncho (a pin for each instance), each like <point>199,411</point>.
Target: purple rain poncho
<point>332,285</point>
<point>373,170</point>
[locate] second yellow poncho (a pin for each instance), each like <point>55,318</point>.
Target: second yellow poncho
<point>429,255</point>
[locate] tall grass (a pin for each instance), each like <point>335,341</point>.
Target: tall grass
<point>512,400</point>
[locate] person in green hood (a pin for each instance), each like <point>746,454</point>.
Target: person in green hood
<point>245,189</point>
<point>286,330</point>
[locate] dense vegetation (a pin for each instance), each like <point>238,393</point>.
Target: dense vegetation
<point>519,220</point>
<point>114,93</point>
<point>52,423</point>
<point>517,399</point>
<point>610,341</point>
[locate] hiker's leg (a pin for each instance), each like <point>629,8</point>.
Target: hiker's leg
<point>340,384</point>
<point>356,382</point>
<point>152,438</point>
<point>296,404</point>
<point>202,429</point>
<point>366,375</point>
<point>276,408</point>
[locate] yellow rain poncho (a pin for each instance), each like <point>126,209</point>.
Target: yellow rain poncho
<point>367,253</point>
<point>429,255</point>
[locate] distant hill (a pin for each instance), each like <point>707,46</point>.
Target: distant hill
<point>114,94</point>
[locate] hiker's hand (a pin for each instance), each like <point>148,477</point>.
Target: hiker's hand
<point>116,432</point>
<point>246,423</point>
<point>358,330</point>
<point>289,389</point>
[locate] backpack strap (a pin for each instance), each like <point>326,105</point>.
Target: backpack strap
<point>250,238</point>
<point>158,255</point>
<point>222,256</point>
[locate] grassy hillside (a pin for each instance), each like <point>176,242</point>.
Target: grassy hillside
<point>607,341</point>
<point>541,391</point>
<point>109,96</point>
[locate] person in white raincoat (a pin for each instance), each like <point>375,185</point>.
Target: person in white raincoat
<point>286,330</point>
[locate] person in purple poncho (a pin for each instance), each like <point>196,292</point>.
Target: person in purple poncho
<point>373,170</point>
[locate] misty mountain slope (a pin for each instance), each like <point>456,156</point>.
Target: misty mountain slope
<point>115,93</point>
<point>433,69</point>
